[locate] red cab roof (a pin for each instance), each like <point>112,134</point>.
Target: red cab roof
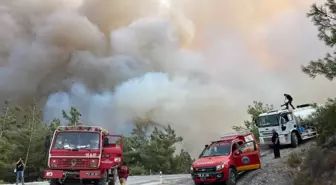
<point>237,135</point>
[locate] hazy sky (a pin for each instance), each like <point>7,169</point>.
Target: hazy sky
<point>86,53</point>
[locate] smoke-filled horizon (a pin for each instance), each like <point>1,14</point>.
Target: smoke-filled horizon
<point>193,64</point>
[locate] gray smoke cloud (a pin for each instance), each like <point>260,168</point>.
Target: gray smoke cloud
<point>195,65</point>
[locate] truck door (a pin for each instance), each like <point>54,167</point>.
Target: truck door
<point>112,151</point>
<point>247,156</point>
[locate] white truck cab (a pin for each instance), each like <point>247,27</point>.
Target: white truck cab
<point>288,124</point>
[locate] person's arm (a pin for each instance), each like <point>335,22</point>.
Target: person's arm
<point>19,161</point>
<point>276,138</point>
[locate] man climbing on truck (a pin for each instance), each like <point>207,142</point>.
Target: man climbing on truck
<point>288,101</point>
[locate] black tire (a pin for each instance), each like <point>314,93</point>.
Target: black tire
<point>232,178</point>
<point>294,140</point>
<point>54,182</point>
<point>113,180</point>
<point>102,181</point>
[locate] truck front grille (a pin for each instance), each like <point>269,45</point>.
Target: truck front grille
<point>73,163</point>
<point>207,169</point>
<point>268,140</point>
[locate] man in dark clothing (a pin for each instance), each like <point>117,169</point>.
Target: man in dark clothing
<point>19,171</point>
<point>276,144</point>
<point>288,100</point>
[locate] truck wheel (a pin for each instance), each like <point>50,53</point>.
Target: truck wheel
<point>112,181</point>
<point>102,181</point>
<point>54,182</point>
<point>294,140</point>
<point>232,178</point>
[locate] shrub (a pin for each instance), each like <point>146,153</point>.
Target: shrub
<point>318,168</point>
<point>294,160</point>
<point>137,170</point>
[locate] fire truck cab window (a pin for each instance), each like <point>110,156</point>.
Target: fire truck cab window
<point>77,140</point>
<point>241,145</point>
<point>234,147</point>
<point>106,142</point>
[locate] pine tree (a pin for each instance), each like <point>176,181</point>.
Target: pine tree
<point>324,17</point>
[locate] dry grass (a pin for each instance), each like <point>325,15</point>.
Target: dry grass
<point>295,159</point>
<point>319,167</point>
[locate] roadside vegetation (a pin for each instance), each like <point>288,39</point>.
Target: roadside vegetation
<point>319,165</point>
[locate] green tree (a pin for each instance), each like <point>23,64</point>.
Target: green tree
<point>324,17</point>
<point>73,116</point>
<point>22,136</point>
<point>254,111</point>
<point>182,162</point>
<point>161,149</point>
<point>319,164</point>
<point>154,151</point>
<point>325,120</point>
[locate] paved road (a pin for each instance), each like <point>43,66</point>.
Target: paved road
<point>142,180</point>
<point>181,179</point>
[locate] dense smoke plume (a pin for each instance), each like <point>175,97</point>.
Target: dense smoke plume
<point>193,64</point>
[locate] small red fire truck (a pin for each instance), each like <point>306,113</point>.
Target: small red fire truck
<point>223,160</point>
<point>83,154</point>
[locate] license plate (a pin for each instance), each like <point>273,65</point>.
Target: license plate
<point>203,175</point>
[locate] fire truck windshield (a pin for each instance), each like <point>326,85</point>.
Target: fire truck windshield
<point>217,150</point>
<point>76,140</point>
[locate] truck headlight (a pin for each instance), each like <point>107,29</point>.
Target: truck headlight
<point>54,165</point>
<point>93,163</point>
<point>221,166</point>
<point>117,159</point>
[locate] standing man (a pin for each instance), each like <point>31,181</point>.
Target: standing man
<point>123,172</point>
<point>19,171</point>
<point>288,100</point>
<point>276,144</point>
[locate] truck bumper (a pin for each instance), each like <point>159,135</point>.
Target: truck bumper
<point>284,140</point>
<point>82,174</point>
<point>211,178</point>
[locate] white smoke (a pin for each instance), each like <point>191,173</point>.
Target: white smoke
<point>117,61</point>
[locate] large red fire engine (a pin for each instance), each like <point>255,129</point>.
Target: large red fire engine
<point>83,154</point>
<point>222,160</point>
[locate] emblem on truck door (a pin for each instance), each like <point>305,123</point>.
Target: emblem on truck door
<point>245,160</point>
<point>73,162</point>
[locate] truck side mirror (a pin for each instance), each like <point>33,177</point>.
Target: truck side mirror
<point>237,152</point>
<point>206,146</point>
<point>47,142</point>
<point>106,142</point>
<point>254,121</point>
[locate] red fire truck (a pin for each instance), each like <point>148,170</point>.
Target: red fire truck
<point>223,160</point>
<point>83,154</point>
